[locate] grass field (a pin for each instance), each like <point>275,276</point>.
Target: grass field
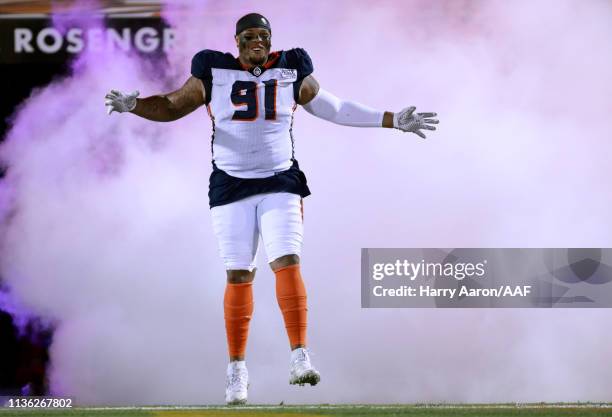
<point>442,410</point>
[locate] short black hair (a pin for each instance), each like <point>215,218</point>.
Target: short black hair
<point>252,20</point>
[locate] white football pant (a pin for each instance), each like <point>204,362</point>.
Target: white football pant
<point>277,217</point>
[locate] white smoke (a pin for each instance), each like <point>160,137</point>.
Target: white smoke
<point>111,235</point>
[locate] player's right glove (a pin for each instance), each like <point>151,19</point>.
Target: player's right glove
<point>120,102</point>
<point>408,121</point>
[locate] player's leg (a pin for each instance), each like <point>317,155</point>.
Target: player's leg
<point>238,309</point>
<point>235,226</point>
<point>281,226</point>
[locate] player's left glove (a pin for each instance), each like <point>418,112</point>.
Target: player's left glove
<point>409,121</point>
<point>120,102</point>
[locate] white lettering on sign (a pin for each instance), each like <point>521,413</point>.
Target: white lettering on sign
<point>75,40</point>
<point>23,39</point>
<point>49,40</point>
<point>146,39</point>
<point>42,40</point>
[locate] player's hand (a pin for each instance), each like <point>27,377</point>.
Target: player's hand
<point>120,102</point>
<point>409,121</point>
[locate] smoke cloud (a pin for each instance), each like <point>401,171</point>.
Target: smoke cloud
<point>107,229</point>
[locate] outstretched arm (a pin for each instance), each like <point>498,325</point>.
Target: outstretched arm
<point>325,105</point>
<point>160,108</point>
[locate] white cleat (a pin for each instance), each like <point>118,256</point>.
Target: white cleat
<point>302,372</point>
<point>237,383</point>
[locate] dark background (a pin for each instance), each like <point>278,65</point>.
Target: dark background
<point>24,352</point>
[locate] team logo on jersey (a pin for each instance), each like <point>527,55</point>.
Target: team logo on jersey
<point>288,73</point>
<point>257,71</point>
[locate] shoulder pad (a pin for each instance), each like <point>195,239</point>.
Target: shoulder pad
<point>203,61</point>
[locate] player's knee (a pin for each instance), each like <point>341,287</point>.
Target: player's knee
<point>240,276</point>
<point>238,260</point>
<point>284,261</point>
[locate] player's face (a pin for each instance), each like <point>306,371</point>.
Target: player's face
<point>254,45</point>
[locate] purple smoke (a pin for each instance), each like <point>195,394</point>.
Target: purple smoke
<point>110,233</point>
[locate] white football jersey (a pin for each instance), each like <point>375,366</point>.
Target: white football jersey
<point>252,111</point>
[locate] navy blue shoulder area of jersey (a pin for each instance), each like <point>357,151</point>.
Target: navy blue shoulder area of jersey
<point>206,59</point>
<point>298,59</point>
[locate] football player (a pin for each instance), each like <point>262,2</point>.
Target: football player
<point>256,186</point>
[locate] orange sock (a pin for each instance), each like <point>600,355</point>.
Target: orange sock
<point>291,296</point>
<point>237,308</point>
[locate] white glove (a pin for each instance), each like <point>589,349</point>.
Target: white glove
<point>408,121</point>
<point>120,102</point>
